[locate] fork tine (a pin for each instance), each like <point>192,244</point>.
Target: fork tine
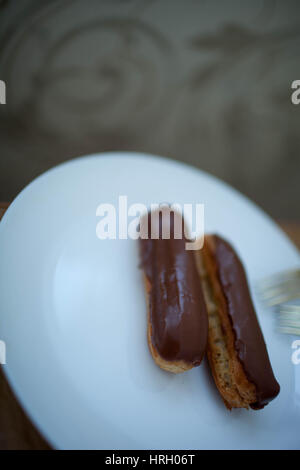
<point>280,291</point>
<point>278,278</point>
<point>289,330</point>
<point>289,319</point>
<point>286,308</point>
<point>281,297</point>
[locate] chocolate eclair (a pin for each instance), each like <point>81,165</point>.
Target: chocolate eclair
<point>177,315</point>
<point>236,349</point>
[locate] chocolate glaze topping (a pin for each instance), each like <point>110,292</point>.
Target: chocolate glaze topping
<point>176,303</point>
<point>249,341</point>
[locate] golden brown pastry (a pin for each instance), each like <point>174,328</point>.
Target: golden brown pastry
<point>236,349</point>
<point>177,316</point>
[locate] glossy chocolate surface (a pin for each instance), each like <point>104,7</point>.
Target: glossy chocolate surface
<point>176,303</point>
<point>249,341</point>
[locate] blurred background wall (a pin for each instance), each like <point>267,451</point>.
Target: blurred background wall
<point>201,81</point>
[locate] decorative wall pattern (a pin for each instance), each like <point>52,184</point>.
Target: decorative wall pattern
<point>205,82</point>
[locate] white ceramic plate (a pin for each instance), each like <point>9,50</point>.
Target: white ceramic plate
<point>73,314</point>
